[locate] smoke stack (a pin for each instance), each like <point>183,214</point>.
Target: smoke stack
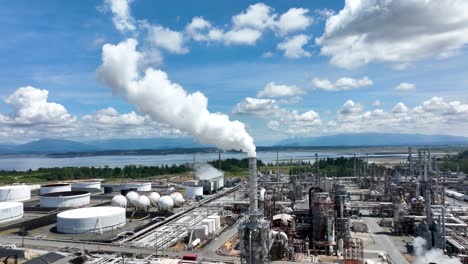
<point>253,184</point>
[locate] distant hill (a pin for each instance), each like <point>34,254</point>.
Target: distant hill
<point>146,143</point>
<point>374,139</point>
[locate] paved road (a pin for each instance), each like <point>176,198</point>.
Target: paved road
<point>383,241</point>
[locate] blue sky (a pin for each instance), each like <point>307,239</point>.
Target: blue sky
<point>57,46</point>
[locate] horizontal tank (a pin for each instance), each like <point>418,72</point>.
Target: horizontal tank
<point>178,198</point>
<point>56,187</point>
<point>119,201</point>
<point>139,186</point>
<point>65,199</point>
<point>165,203</point>
<point>15,193</point>
<point>91,220</point>
<point>10,211</point>
<point>193,191</point>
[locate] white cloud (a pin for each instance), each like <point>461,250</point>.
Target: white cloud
<point>400,108</point>
<point>200,29</point>
<point>293,47</point>
<point>30,107</point>
<point>295,19</point>
<point>272,90</point>
<point>258,16</point>
<point>122,19</point>
<point>256,107</point>
<point>405,87</point>
<point>350,108</point>
<point>397,31</point>
<point>342,84</point>
<point>402,66</point>
<point>376,103</point>
<point>169,40</point>
<point>268,54</point>
<point>245,36</point>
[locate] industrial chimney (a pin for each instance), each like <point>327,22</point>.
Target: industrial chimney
<point>253,198</point>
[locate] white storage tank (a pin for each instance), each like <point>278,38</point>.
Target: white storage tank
<point>193,191</point>
<point>178,198</point>
<point>217,219</point>
<point>87,185</point>
<point>165,203</point>
<point>90,219</point>
<point>139,186</point>
<point>143,202</point>
<point>119,201</point>
<point>15,193</point>
<point>154,198</point>
<point>56,187</point>
<point>10,211</point>
<point>210,223</point>
<point>65,199</point>
<point>133,198</point>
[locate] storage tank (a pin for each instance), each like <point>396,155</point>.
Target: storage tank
<point>132,198</point>
<point>178,199</point>
<point>90,219</point>
<point>165,203</point>
<point>56,187</point>
<point>119,201</point>
<point>87,185</point>
<point>143,202</point>
<point>154,198</point>
<point>10,211</point>
<point>15,193</point>
<point>210,223</point>
<point>139,186</point>
<point>65,199</point>
<point>193,191</point>
<point>217,219</point>
<point>199,231</point>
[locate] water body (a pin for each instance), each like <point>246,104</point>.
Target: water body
<point>35,162</point>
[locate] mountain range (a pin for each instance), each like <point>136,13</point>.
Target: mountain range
<point>54,146</point>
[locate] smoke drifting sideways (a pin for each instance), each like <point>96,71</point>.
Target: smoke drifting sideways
<point>204,171</point>
<point>167,102</point>
<point>435,255</point>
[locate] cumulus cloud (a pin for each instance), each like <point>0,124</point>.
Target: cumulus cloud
<point>169,40</point>
<point>31,107</point>
<point>122,19</point>
<point>166,102</point>
<point>292,122</point>
<point>397,31</point>
<point>400,108</point>
<point>405,87</point>
<point>376,103</point>
<point>273,90</point>
<point>256,107</point>
<point>295,19</point>
<point>258,16</point>
<point>350,108</point>
<point>342,84</point>
<point>246,36</point>
<point>293,47</point>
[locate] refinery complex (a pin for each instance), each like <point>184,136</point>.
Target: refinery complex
<point>381,213</point>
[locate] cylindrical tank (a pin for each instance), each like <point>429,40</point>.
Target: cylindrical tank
<point>199,231</point>
<point>10,211</point>
<point>193,191</point>
<point>139,186</point>
<point>165,203</point>
<point>56,187</point>
<point>90,219</point>
<point>87,185</point>
<point>15,193</point>
<point>217,219</point>
<point>178,198</point>
<point>210,223</point>
<point>119,201</point>
<point>154,198</point>
<point>65,199</point>
<point>143,202</point>
<point>132,197</point>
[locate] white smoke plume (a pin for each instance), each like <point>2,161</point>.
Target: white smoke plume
<point>205,171</point>
<point>435,255</point>
<point>167,102</point>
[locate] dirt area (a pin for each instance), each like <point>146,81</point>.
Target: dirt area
<point>229,248</point>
